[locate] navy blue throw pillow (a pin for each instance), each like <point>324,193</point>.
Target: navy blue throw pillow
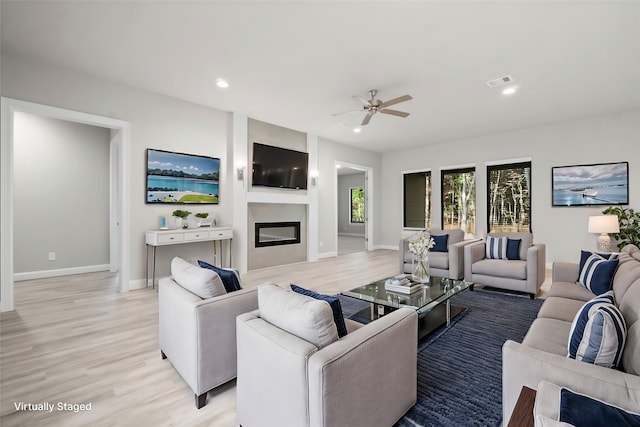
<point>229,278</point>
<point>584,255</point>
<point>579,410</point>
<point>513,248</point>
<point>334,303</point>
<point>440,243</point>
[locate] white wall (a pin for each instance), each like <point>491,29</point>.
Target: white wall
<point>609,138</point>
<point>61,195</point>
<point>345,184</point>
<point>328,153</point>
<point>157,121</point>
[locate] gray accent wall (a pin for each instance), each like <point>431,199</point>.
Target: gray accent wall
<point>61,194</point>
<point>345,183</point>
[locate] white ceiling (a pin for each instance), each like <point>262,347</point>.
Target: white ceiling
<point>294,64</point>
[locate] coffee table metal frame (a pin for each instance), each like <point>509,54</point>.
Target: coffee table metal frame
<point>428,301</point>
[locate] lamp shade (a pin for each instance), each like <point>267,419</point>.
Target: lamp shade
<point>604,224</point>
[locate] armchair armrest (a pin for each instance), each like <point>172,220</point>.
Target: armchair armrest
<point>565,271</point>
<point>456,259</point>
<point>536,259</point>
<point>473,252</point>
<point>379,356</point>
<point>527,366</point>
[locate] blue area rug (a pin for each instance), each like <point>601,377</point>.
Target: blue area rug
<point>460,366</point>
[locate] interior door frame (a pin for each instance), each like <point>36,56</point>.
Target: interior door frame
<point>368,201</point>
<point>119,166</point>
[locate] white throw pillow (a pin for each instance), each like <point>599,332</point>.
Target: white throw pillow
<point>200,281</point>
<point>305,317</point>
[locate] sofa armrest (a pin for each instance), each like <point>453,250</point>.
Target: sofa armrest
<point>380,357</point>
<point>527,366</point>
<point>536,259</point>
<point>473,252</point>
<point>565,271</point>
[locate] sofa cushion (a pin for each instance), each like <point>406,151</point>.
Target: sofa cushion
<point>560,308</point>
<point>598,333</point>
<point>440,243</point>
<point>439,260</point>
<point>597,273</point>
<point>584,411</point>
<point>501,268</point>
<point>333,302</point>
<point>229,277</point>
<point>305,317</point>
<point>496,247</point>
<point>570,291</point>
<point>199,281</point>
<point>548,335</point>
<point>630,359</point>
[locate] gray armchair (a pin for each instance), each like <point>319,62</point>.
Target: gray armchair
<point>524,274</point>
<point>448,264</point>
<point>366,378</point>
<point>198,336</point>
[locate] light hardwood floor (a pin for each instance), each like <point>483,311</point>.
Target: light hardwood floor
<point>76,340</point>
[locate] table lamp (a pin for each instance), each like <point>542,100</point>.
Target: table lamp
<point>604,224</point>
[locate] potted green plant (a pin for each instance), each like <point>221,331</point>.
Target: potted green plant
<point>181,215</point>
<point>629,221</point>
<point>202,216</point>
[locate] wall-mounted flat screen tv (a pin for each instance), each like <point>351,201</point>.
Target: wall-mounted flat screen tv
<point>279,167</point>
<point>179,178</point>
<point>588,185</point>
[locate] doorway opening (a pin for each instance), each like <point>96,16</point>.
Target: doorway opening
<point>119,193</point>
<point>353,219</point>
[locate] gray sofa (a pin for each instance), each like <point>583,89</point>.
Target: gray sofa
<point>542,355</point>
<point>449,264</point>
<point>523,275</point>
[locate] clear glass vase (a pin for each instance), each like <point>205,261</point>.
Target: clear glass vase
<point>420,268</point>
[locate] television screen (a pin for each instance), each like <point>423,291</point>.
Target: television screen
<point>279,167</point>
<point>178,178</point>
<point>587,185</point>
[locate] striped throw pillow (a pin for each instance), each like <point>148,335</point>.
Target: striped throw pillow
<point>597,273</point>
<point>598,332</point>
<point>496,247</point>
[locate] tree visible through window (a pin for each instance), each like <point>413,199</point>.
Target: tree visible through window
<point>459,200</point>
<point>357,205</point>
<point>509,197</point>
<point>417,199</point>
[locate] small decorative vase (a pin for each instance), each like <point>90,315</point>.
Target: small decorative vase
<point>179,222</point>
<point>420,268</point>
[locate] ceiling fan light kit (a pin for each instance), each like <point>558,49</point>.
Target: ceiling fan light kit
<point>374,105</point>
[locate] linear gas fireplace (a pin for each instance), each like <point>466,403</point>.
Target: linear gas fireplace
<point>277,233</point>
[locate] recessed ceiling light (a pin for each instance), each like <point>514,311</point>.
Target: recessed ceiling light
<point>357,130</point>
<point>510,90</point>
<point>222,83</point>
<point>338,166</point>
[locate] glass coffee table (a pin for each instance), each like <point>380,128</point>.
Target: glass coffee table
<point>431,302</point>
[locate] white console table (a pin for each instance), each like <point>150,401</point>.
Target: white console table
<point>155,238</point>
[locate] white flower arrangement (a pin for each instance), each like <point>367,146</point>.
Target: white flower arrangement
<point>421,244</point>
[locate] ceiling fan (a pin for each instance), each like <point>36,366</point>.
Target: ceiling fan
<point>373,105</point>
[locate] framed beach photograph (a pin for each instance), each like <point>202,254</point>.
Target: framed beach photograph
<point>589,185</point>
<point>179,178</point>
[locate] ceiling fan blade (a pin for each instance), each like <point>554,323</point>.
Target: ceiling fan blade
<point>367,118</point>
<point>394,112</point>
<point>364,102</point>
<point>394,101</point>
<point>347,112</point>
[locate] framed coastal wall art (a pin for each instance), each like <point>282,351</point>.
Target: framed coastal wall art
<point>180,178</point>
<point>589,185</point>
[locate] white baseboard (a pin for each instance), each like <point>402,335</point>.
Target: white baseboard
<point>351,235</point>
<point>30,275</point>
<point>327,254</point>
<point>389,247</point>
<point>140,284</point>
